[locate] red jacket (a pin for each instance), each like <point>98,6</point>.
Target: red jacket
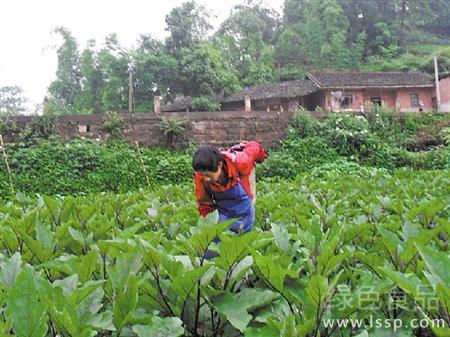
<point>239,162</point>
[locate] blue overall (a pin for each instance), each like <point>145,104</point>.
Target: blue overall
<point>235,203</point>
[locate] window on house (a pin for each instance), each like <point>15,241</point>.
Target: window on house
<point>376,100</point>
<point>414,100</point>
<point>347,100</point>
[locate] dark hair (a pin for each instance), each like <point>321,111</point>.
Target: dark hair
<point>207,158</point>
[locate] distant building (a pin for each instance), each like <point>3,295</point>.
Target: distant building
<point>336,91</point>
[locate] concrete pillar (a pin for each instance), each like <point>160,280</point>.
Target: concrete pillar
<point>248,103</point>
<point>157,104</point>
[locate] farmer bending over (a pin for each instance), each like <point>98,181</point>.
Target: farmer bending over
<point>222,182</point>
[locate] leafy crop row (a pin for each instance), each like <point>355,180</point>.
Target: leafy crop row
<point>340,242</point>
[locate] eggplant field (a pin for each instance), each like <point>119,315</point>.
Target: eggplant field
<point>331,250</point>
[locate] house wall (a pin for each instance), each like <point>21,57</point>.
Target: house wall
<point>398,98</point>
<point>388,97</point>
<point>317,99</point>
<point>404,99</point>
<point>333,104</point>
<point>234,106</point>
<point>272,104</point>
<point>444,89</point>
<point>268,105</point>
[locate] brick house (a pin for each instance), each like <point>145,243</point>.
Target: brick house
<point>357,91</point>
<point>281,96</point>
<point>334,91</point>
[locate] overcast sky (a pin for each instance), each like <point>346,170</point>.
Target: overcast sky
<point>27,45</point>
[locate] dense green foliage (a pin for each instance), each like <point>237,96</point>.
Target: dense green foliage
<point>205,103</point>
<point>341,242</point>
<point>381,140</point>
<point>254,44</point>
<point>81,166</point>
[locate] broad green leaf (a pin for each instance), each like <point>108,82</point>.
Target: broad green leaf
<point>185,285</point>
<point>27,314</point>
<point>68,284</point>
<point>265,331</point>
<point>443,294</point>
<point>368,292</point>
<point>235,307</point>
<point>209,220</point>
<point>125,303</point>
<point>10,269</point>
<point>282,239</point>
<point>204,235</point>
<point>87,265</point>
<point>410,230</point>
<point>66,264</point>
<point>103,320</point>
<point>77,236</point>
<point>91,304</point>
<point>79,294</point>
<point>289,328</point>
<point>271,272</point>
<point>438,263</point>
<point>160,327</point>
<point>151,257</point>
<point>233,249</point>
<point>42,253</point>
<point>126,264</point>
<point>408,282</point>
<point>306,327</point>
<point>317,290</point>
<point>45,236</point>
<point>241,268</point>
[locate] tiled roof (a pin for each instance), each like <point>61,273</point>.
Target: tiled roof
<point>274,90</point>
<point>370,80</point>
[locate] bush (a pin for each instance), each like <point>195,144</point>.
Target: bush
<point>383,121</point>
<point>278,164</point>
<point>174,169</point>
<point>114,124</point>
<point>305,124</point>
<point>297,155</point>
<point>350,135</point>
<point>173,128</point>
<point>8,126</point>
<point>39,127</point>
<point>82,166</point>
<point>205,103</point>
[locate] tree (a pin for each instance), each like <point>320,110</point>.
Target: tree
<point>188,24</point>
<point>92,81</point>
<point>153,75</point>
<point>320,40</point>
<point>246,39</point>
<point>147,44</point>
<point>67,86</point>
<point>288,58</point>
<point>203,72</point>
<point>113,63</point>
<point>335,52</point>
<point>294,11</point>
<point>12,100</point>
